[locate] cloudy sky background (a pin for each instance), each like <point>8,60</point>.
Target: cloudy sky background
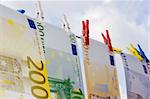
<point>128,21</point>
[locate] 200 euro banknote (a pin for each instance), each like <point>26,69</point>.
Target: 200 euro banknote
<point>23,73</point>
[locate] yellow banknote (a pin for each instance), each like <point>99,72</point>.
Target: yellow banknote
<point>100,72</point>
<point>23,73</point>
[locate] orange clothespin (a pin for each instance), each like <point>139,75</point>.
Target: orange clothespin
<point>107,41</point>
<point>85,32</point>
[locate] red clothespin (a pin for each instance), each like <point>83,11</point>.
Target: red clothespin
<point>85,32</point>
<point>107,41</point>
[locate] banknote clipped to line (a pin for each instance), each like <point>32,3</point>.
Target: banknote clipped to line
<point>62,60</point>
<point>101,73</point>
<point>23,73</point>
<point>137,78</point>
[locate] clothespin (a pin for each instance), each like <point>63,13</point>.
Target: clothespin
<point>85,32</point>
<point>66,26</point>
<point>40,14</point>
<point>135,52</point>
<point>141,52</point>
<point>22,11</point>
<point>117,50</point>
<point>107,41</point>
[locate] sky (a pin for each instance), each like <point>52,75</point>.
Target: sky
<point>128,21</point>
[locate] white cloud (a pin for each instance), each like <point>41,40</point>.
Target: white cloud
<point>123,25</point>
<point>125,20</point>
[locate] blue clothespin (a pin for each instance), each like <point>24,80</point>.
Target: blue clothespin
<point>141,52</point>
<point>22,11</point>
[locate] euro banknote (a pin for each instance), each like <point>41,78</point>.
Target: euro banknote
<point>23,73</point>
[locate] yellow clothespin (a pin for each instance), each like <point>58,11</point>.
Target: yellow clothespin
<point>134,51</point>
<point>117,50</point>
